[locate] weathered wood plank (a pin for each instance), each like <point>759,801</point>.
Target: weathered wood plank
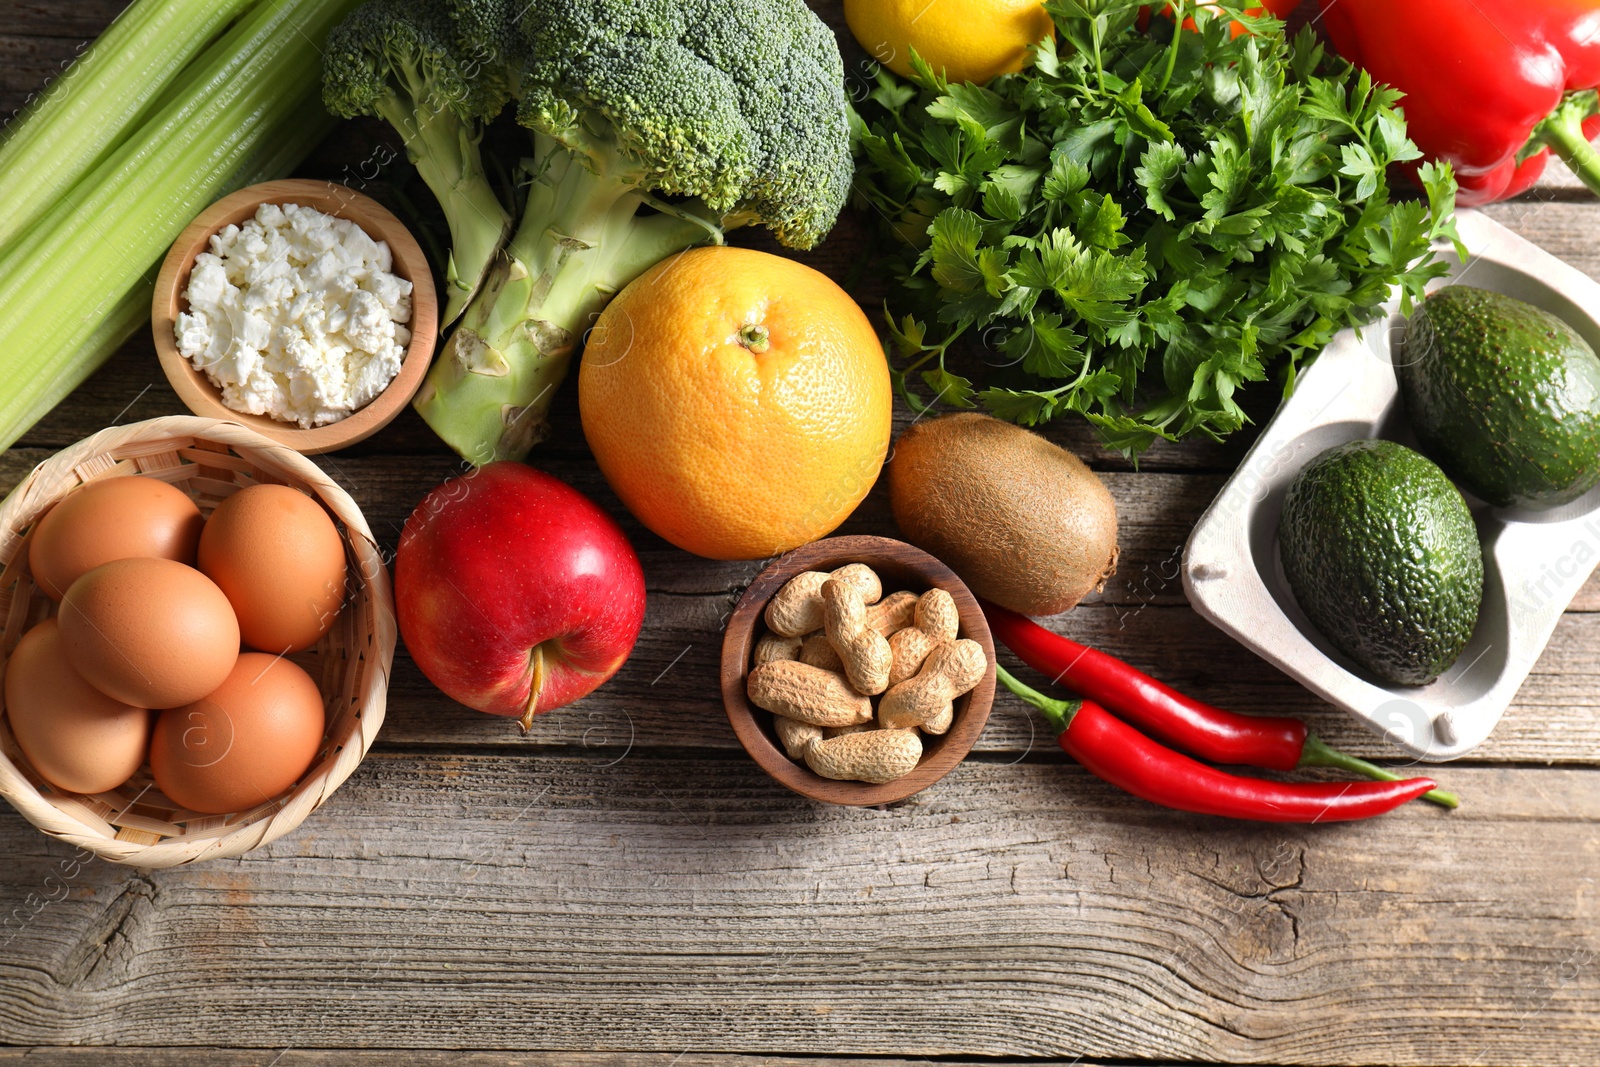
<point>1155,513</point>
<point>1558,182</point>
<point>682,905</point>
<point>654,901</point>
<point>28,64</point>
<point>1562,228</point>
<point>666,695</point>
<point>41,18</point>
<point>295,1057</point>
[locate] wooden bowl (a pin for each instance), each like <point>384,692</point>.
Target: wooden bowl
<point>900,566</point>
<point>209,460</point>
<point>204,399</point>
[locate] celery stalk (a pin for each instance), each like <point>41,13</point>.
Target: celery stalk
<point>104,236</point>
<point>78,119</point>
<point>230,76</point>
<point>277,156</point>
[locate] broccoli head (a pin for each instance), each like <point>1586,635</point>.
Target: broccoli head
<point>656,125</point>
<point>738,104</point>
<point>400,60</point>
<point>392,52</point>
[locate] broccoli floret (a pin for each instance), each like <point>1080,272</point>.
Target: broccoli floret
<point>657,125</point>
<point>487,30</point>
<point>739,104</point>
<point>399,60</point>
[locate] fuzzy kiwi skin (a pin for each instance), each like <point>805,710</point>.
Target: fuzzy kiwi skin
<point>1023,522</point>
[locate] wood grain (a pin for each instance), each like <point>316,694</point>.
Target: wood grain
<point>625,878</point>
<point>28,64</point>
<point>295,1057</point>
<point>663,904</point>
<point>667,695</point>
<point>84,19</point>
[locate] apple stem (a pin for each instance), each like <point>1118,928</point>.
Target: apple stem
<point>534,690</point>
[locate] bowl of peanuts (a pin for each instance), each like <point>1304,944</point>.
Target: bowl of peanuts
<point>857,670</point>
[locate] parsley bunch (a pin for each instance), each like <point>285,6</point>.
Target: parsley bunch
<point>1143,220</point>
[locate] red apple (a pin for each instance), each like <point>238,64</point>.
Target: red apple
<point>516,593</point>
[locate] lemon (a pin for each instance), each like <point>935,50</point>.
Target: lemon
<point>969,40</point>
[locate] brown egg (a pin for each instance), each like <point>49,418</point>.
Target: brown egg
<point>280,559</point>
<point>245,743</point>
<point>149,632</point>
<point>112,518</point>
<point>76,737</point>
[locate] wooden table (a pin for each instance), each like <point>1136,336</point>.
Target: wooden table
<point>624,888</point>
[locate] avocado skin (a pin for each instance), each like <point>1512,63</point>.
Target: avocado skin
<point>1504,395</point>
<point>1383,557</point>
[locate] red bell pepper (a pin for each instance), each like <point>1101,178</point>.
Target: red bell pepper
<point>1276,8</point>
<point>1491,85</point>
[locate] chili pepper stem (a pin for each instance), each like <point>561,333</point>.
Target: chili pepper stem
<point>1318,754</point>
<point>1058,713</point>
<point>1562,130</point>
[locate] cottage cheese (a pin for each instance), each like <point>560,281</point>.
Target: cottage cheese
<point>296,315</point>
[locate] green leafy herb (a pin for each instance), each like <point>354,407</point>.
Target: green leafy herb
<point>1145,220</point>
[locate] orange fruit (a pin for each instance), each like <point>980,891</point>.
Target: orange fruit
<point>970,40</point>
<point>738,402</point>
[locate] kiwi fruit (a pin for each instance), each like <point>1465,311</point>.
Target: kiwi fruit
<point>1023,522</point>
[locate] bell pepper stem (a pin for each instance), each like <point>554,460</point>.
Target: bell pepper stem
<point>1562,130</point>
<point>1316,753</point>
<point>1058,713</point>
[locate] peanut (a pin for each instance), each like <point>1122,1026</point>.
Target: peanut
<point>800,691</point>
<point>797,608</point>
<point>875,756</point>
<point>865,651</point>
<point>835,731</point>
<point>940,723</point>
<point>795,735</point>
<point>772,647</point>
<point>893,613</point>
<point>937,623</point>
<point>817,651</point>
<point>949,671</point>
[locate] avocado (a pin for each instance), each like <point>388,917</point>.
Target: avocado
<point>1504,395</point>
<point>1383,557</point>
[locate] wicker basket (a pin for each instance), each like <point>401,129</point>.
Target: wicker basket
<point>209,459</point>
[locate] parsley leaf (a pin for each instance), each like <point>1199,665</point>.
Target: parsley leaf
<point>1144,223</point>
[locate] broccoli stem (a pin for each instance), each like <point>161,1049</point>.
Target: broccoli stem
<point>579,242</point>
<point>445,152</point>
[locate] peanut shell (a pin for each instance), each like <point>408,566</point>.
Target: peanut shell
<point>795,735</point>
<point>949,671</point>
<point>810,694</point>
<point>875,756</point>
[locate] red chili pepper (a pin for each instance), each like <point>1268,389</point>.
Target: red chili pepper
<point>1491,85</point>
<point>1115,752</point>
<point>1276,742</point>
